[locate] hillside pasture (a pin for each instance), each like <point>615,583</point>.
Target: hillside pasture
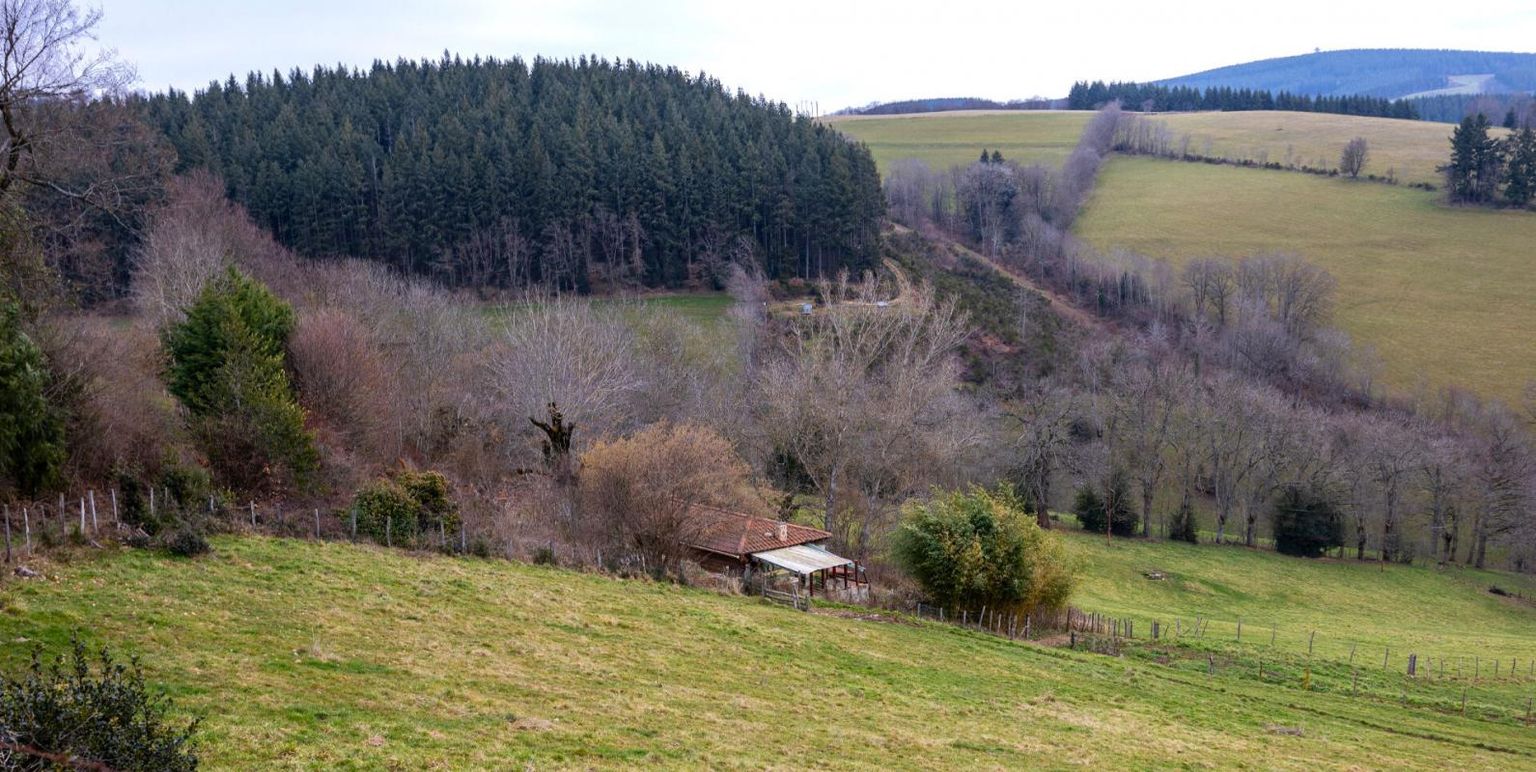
<point>325,655</point>
<point>957,138</point>
<point>1445,295</point>
<point>1408,150</point>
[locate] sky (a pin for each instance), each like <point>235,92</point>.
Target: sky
<point>825,53</point>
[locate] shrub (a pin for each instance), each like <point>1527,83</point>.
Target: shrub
<point>635,493</point>
<point>1306,522</point>
<point>1091,508</point>
<point>405,505</point>
<point>385,511</point>
<point>433,498</point>
<point>977,548</point>
<point>187,542</point>
<point>1183,527</point>
<point>58,715</point>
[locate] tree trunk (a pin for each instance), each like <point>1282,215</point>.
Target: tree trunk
<point>1147,492</point>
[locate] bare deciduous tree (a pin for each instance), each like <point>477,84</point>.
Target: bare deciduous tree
<point>1352,161</point>
<point>49,56</point>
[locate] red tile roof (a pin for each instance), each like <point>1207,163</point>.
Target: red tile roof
<point>737,535</point>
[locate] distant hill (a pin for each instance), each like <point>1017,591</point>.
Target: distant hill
<point>947,104</point>
<point>1391,73</point>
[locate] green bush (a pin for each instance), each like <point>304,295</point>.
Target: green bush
<point>1183,527</point>
<point>433,497</point>
<point>1306,523</point>
<point>1091,508</point>
<point>385,511</point>
<point>227,368</point>
<point>406,504</point>
<point>977,548</point>
<point>187,542</point>
<point>68,712</point>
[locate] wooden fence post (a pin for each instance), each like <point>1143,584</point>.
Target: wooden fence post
<point>26,526</point>
<point>389,527</point>
<point>1385,657</point>
<point>151,502</point>
<point>1413,665</point>
<point>95,528</point>
<point>317,522</point>
<point>1239,629</point>
<point>82,516</point>
<point>253,513</point>
<point>1312,639</point>
<point>114,507</point>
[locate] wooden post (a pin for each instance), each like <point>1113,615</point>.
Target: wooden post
<point>82,516</point>
<point>389,536</point>
<point>1351,654</point>
<point>463,539</point>
<point>26,526</point>
<point>114,507</point>
<point>1239,629</point>
<point>1413,665</point>
<point>151,502</point>
<point>253,513</point>
<point>317,522</point>
<point>1312,638</point>
<point>354,522</point>
<point>95,528</point>
<point>1386,657</point>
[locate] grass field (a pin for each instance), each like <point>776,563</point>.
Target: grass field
<point>1444,295</point>
<point>1409,149</point>
<point>314,655</point>
<point>1409,608</point>
<point>951,138</point>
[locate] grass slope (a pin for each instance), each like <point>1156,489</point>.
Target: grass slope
<point>1445,295</point>
<point>333,656</point>
<point>1409,149</point>
<point>947,139</point>
<point>1412,609</point>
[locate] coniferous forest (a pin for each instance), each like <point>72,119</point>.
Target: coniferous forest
<point>580,175</point>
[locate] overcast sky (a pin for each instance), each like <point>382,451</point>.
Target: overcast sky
<point>836,53</point>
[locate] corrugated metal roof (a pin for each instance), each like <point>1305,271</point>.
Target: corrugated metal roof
<point>738,535</point>
<point>802,558</point>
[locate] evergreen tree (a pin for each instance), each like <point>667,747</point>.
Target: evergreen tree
<point>226,368</point>
<point>31,429</point>
<point>1306,523</point>
<point>1520,176</point>
<point>1474,171</point>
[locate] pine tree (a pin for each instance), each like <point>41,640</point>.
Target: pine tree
<point>226,368</point>
<point>1520,176</point>
<point>1474,171</point>
<point>31,429</point>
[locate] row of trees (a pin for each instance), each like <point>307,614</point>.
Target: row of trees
<point>1487,170</point>
<point>575,174</point>
<point>1156,98</point>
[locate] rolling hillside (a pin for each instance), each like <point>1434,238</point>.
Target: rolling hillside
<point>314,655</point>
<point>945,139</point>
<point>1443,295</point>
<point>1390,73</point>
<point>1446,296</point>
